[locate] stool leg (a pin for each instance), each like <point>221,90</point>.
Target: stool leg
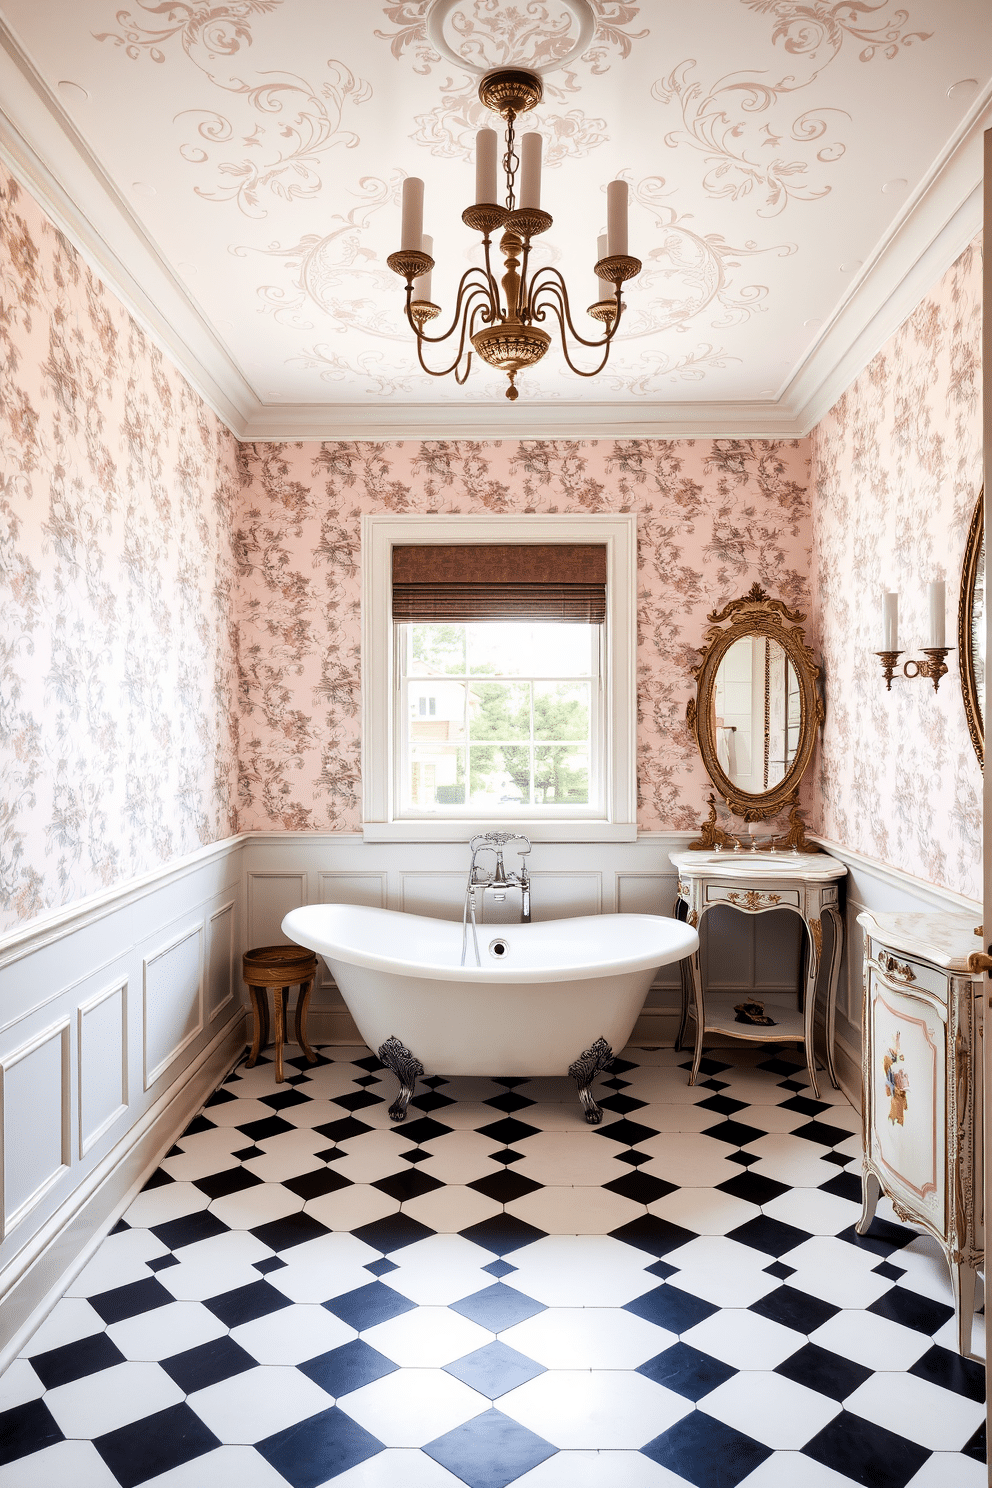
<point>258,1007</point>
<point>263,1003</point>
<point>302,1007</point>
<point>279,1008</point>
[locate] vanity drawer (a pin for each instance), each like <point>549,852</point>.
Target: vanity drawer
<point>752,899</point>
<point>905,972</point>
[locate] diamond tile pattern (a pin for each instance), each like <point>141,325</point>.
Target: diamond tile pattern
<point>354,1243</point>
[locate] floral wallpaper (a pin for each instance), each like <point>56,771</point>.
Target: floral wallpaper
<point>713,516</point>
<point>118,726</point>
<point>896,472</point>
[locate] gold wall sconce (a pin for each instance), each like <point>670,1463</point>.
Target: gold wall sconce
<point>934,666</point>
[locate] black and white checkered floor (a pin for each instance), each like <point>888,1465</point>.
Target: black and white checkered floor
<point>496,1293</point>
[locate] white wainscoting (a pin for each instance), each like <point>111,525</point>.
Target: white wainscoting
<point>119,1016</point>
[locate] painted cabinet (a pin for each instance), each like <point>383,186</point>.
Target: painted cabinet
<point>922,1082</point>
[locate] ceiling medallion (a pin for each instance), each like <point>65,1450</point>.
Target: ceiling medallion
<point>506,332</point>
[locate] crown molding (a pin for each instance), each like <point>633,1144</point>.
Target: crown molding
<point>45,152</point>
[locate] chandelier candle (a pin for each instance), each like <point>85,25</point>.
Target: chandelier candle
<point>501,318</point>
<point>604,289</point>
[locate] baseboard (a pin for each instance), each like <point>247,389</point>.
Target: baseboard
<point>38,1275</point>
<point>848,1064</point>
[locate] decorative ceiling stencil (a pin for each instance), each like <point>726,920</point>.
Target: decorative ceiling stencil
<point>769,145</point>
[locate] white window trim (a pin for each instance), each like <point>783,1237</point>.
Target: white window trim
<point>380,534</point>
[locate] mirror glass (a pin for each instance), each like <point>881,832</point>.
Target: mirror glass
<point>757,712</point>
<point>977,637</point>
<point>971,629</point>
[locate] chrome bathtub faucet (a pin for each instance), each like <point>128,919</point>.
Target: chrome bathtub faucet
<point>505,896</point>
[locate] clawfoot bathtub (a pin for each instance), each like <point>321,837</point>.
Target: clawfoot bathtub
<point>552,998</point>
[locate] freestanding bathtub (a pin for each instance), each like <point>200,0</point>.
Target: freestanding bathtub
<point>552,998</point>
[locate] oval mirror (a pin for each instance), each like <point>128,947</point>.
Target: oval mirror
<point>971,628</point>
<point>757,711</point>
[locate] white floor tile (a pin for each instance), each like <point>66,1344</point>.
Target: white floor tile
<point>594,1408</point>
<point>850,1147</point>
<point>396,1466</point>
<point>69,1320</point>
<point>427,1338</point>
<point>681,1116</point>
<point>439,1270</point>
<point>582,1271</point>
<point>717,1254</point>
<point>925,1413</point>
<point>791,1160</point>
<point>74,1464</point>
<point>571,1469</point>
<point>121,1259</point>
<point>926,1269</point>
<point>212,1266</point>
<point>238,1112</point>
<point>292,1335</point>
<point>225,1467</point>
<point>688,1159</point>
<point>323,1268</point>
<point>792,1470</point>
<point>875,1342</point>
<point>842,1114</point>
<point>836,1272</point>
<point>566,1158</point>
<point>744,1339</point>
<point>374,1155</point>
<point>253,1405</point>
<point>463,1116</point>
<point>155,1206</point>
<point>575,1211</point>
<point>461,1158</point>
<point>411,1407</point>
<point>770,1408</point>
<point>949,1470</point>
<point>165,1330</point>
<point>113,1397</point>
<point>707,1211</point>
<point>947,1336</point>
<point>813,1210</point>
<point>256,1206</point>
<point>349,1208</point>
<point>587,1338</point>
<point>450,1209</point>
<point>18,1385</point>
<point>767,1118</point>
<point>279,1167</point>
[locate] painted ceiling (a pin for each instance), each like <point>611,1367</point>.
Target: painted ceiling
<point>772,149</point>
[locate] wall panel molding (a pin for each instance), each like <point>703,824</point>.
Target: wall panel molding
<point>35,1099</point>
<point>98,1024</point>
<point>221,959</point>
<point>172,989</point>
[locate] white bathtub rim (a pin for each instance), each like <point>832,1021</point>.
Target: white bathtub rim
<point>298,925</point>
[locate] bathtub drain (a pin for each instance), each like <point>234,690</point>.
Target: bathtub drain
<point>499,949</point>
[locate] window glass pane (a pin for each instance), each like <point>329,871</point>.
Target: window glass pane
<point>440,716</point>
<point>499,710</point>
<point>437,649</point>
<point>561,775</point>
<point>561,710</point>
<point>500,776</point>
<point>528,650</point>
<point>437,775</point>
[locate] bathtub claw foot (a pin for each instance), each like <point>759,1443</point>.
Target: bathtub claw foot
<point>406,1067</point>
<point>589,1064</point>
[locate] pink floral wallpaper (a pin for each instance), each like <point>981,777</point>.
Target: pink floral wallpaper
<point>896,472</point>
<point>118,725</point>
<point>713,516</point>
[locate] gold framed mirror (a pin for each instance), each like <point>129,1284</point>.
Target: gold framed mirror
<point>971,627</point>
<point>757,710</point>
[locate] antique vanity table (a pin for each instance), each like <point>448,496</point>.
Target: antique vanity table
<point>755,716</point>
<point>922,1080</point>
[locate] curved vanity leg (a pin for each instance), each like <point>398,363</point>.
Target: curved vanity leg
<point>963,1286</point>
<point>684,1017</point>
<point>406,1067</point>
<point>872,1191</point>
<point>584,1070</point>
<point>697,994</point>
<point>836,958</point>
<point>814,938</point>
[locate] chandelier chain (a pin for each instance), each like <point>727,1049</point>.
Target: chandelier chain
<point>511,162</point>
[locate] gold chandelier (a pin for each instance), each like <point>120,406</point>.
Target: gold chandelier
<point>507,333</point>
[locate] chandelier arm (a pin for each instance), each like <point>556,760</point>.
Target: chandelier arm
<point>556,307</point>
<point>555,284</point>
<point>462,378</point>
<point>466,286</point>
<point>467,319</point>
<point>493,285</point>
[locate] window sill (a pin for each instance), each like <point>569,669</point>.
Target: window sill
<point>537,830</point>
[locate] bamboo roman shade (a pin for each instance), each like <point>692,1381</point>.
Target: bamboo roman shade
<point>464,582</point>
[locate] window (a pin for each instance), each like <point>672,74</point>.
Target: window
<point>467,722</point>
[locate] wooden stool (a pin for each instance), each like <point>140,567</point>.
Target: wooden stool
<point>279,967</point>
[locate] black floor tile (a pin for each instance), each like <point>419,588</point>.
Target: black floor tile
<point>494,1369</point>
<point>282,1100</point>
<point>780,1271</point>
<point>25,1429</point>
<point>231,1180</point>
<point>189,1229</point>
<point>903,1306</point>
<point>334,1131</point>
<point>506,1156</point>
<point>704,1451</point>
<point>662,1269</point>
<point>219,1098</point>
<point>629,1133</point>
<point>890,1272</point>
<point>196,1368</point>
<point>669,1307</point>
<point>244,1304</point>
<point>158,1179</point>
<point>656,1236</point>
<point>245,1154</point>
<point>941,1367</point>
<point>975,1446</point>
<point>409,1184</point>
<point>431,1100</point>
<point>369,1062</point>
<point>687,1371</point>
<point>497,1307</point>
<point>804,1105</point>
<point>381,1267</point>
<point>424,1130</point>
<point>507,1131</point>
<point>319,1449</point>
<point>753,1188</point>
<point>162,1263</point>
<point>267,1126</point>
<point>127,1301</point>
<point>845,1186</point>
<point>768,1235</point>
<point>368,1305</point>
<point>866,1453</point>
<point>74,1360</point>
<point>502,1234</point>
<point>621,1105</point>
<point>883,1238</point>
<point>489,1451</point>
<point>641,1188</point>
<point>292,1229</point>
<point>392,1232</point>
<point>144,1449</point>
<point>822,1134</point>
<point>357,1100</point>
<point>315,1184</point>
<point>347,1368</point>
<point>723,1105</point>
<point>794,1309</point>
<point>819,1369</point>
<point>734,1133</point>
<point>500,1268</point>
<point>633,1158</point>
<point>271,1263</point>
<point>197,1125</point>
<point>504,1187</point>
<point>508,1102</point>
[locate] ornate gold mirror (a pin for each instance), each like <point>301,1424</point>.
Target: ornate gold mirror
<point>756,711</point>
<point>971,627</point>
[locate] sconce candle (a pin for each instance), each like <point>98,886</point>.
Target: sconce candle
<point>890,622</point>
<point>938,607</point>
